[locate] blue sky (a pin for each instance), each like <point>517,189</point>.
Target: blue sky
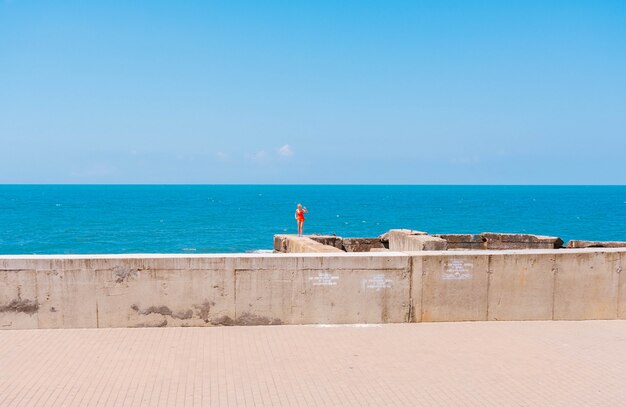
<point>467,92</point>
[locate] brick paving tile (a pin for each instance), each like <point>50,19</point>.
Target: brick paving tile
<point>564,363</point>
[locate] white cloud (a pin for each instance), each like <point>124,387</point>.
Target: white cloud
<point>285,151</point>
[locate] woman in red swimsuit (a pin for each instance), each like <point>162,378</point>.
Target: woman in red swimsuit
<point>300,211</point>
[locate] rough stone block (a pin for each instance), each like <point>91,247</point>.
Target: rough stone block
<point>586,286</point>
<point>328,240</point>
<point>521,287</point>
<point>280,243</point>
<point>582,244</point>
<point>454,288</point>
<point>463,241</point>
<point>512,241</point>
<point>359,245</point>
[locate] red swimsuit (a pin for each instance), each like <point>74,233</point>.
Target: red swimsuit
<point>300,215</point>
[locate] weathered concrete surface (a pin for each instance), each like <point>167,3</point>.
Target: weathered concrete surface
<point>385,236</point>
<point>347,244</point>
<point>19,304</point>
<point>586,285</point>
<point>333,290</point>
<point>268,289</point>
<point>521,287</point>
<point>463,241</point>
<point>67,298</point>
<point>143,291</point>
<point>454,287</point>
<point>141,296</point>
<point>328,240</point>
<point>296,244</point>
<point>513,241</point>
<point>500,241</point>
<point>412,241</point>
<point>361,244</point>
<point>580,244</point>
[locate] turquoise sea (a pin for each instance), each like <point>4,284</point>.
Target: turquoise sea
<point>47,219</point>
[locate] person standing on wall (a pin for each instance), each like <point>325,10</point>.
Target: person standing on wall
<point>300,211</point>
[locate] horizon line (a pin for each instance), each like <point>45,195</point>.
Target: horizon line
<point>306,184</point>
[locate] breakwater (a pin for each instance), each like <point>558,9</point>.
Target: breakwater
<point>311,288</point>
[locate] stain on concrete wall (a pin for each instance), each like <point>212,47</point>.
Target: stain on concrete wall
<point>19,305</point>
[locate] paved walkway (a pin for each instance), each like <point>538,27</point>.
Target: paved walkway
<point>444,364</point>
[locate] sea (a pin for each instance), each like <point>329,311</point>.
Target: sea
<point>100,219</point>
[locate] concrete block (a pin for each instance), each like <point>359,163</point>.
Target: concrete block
<point>329,294</point>
<point>295,244</point>
<point>581,244</point>
<point>280,243</point>
<point>454,288</point>
<point>407,241</point>
<point>19,305</point>
<point>521,287</point>
<point>328,240</point>
<point>463,241</point>
<point>359,245</point>
<point>67,298</point>
<point>586,286</point>
<point>512,241</point>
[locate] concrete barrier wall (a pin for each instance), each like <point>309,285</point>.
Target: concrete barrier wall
<point>333,288</point>
<point>141,291</point>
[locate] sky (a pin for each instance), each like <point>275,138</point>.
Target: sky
<point>322,92</point>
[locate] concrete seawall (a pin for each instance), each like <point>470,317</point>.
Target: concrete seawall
<point>311,288</point>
